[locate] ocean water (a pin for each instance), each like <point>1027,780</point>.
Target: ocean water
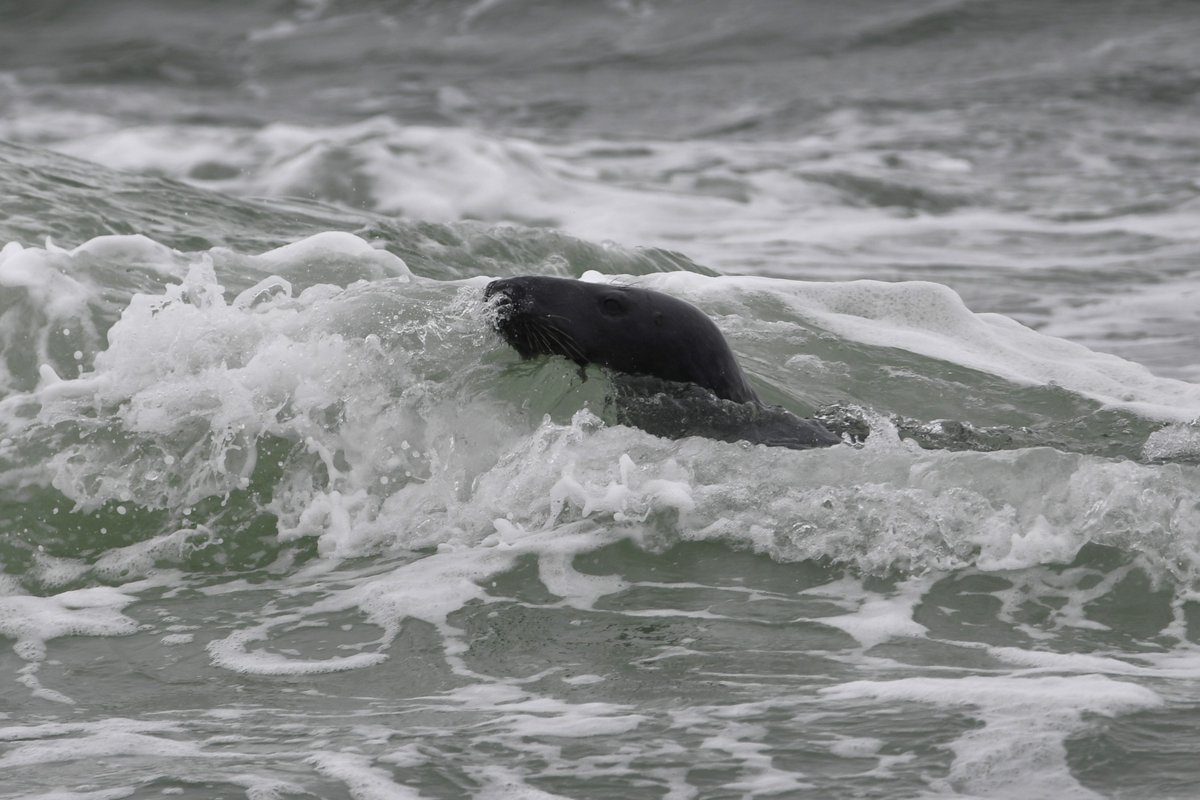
<point>280,516</point>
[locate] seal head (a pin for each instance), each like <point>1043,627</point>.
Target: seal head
<point>623,328</point>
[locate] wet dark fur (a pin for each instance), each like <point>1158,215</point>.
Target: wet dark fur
<point>645,333</point>
<point>620,327</point>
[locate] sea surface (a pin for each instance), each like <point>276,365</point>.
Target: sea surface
<point>281,517</point>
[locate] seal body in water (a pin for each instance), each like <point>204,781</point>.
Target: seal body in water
<point>639,332</point>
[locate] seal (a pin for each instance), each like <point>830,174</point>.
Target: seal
<point>640,332</point>
<point>637,331</point>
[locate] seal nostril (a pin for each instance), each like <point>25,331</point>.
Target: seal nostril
<point>500,293</point>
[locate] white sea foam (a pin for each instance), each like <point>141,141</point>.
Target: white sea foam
<point>859,747</point>
<point>194,382</point>
<point>53,742</point>
<point>53,301</point>
<point>873,618</point>
<point>395,438</point>
<point>30,621</point>
<point>58,304</point>
<point>854,196</point>
<point>931,320</point>
<point>1174,442</point>
<point>1155,320</point>
<point>1020,748</point>
<point>501,783</point>
<point>1181,662</point>
<point>362,780</point>
<point>189,365</point>
<point>100,794</point>
<point>103,744</point>
<point>436,174</point>
<point>946,519</point>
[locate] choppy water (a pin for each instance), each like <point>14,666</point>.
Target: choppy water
<point>280,517</point>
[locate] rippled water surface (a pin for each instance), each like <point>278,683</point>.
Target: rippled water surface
<point>281,517</point>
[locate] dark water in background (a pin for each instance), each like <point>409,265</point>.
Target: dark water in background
<point>279,518</point>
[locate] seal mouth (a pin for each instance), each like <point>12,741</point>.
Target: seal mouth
<point>528,330</point>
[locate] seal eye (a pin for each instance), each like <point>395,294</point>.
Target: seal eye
<point>612,306</point>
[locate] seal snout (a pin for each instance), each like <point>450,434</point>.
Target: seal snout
<point>504,294</point>
<point>507,304</point>
<point>494,288</point>
<point>500,297</point>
